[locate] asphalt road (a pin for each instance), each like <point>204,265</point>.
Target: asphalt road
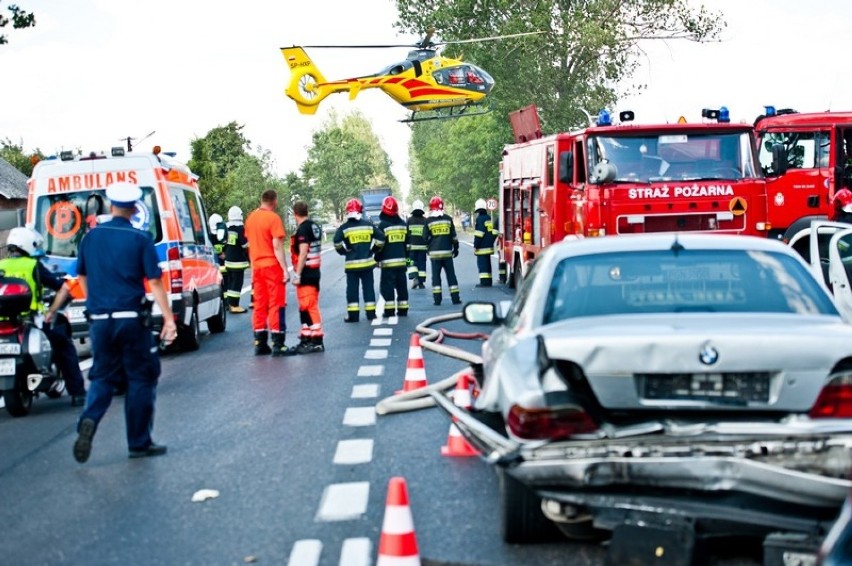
<point>293,447</point>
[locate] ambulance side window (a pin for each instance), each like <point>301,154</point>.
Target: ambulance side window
<point>188,212</point>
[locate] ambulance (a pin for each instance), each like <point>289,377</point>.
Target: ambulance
<point>67,199</point>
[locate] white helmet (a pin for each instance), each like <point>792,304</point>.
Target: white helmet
<point>215,220</point>
<point>25,239</point>
<point>417,205</point>
<point>480,203</point>
<point>235,214</point>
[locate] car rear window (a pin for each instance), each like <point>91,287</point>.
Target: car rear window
<point>676,281</point>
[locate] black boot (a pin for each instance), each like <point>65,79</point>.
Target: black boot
<point>278,346</point>
<point>261,348</point>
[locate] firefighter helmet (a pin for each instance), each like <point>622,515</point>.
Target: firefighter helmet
<point>389,206</point>
<point>480,204</point>
<point>354,206</point>
<point>436,203</point>
<point>215,220</point>
<point>417,205</point>
<point>26,240</point>
<point>235,214</point>
<point>843,200</point>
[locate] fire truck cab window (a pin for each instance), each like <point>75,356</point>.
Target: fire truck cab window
<point>804,150</point>
<point>675,157</point>
<point>550,170</point>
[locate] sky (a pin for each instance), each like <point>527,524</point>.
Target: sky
<point>93,72</point>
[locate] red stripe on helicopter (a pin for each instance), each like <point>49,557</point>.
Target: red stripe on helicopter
<point>394,80</point>
<point>414,83</point>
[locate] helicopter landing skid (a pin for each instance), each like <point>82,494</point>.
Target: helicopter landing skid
<point>446,116</point>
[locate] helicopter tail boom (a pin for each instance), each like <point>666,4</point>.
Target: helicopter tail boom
<point>306,81</point>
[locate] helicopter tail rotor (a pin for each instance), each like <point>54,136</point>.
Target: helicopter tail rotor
<point>306,80</point>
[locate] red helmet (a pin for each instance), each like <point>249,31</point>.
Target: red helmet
<point>354,206</point>
<point>843,200</point>
<point>436,203</point>
<point>389,206</point>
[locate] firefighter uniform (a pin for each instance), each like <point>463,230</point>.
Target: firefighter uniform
<point>307,282</point>
<point>236,259</point>
<point>393,260</point>
<point>484,236</point>
<point>443,244</point>
<point>219,231</point>
<point>417,247</point>
<point>358,239</point>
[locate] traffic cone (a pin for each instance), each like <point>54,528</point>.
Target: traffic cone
<point>398,544</point>
<point>457,445</point>
<point>415,370</point>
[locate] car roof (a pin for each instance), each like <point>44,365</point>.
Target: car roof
<point>663,241</point>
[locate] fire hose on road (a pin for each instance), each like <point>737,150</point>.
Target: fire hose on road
<point>432,340</point>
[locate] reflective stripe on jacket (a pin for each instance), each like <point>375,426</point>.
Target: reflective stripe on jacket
<point>358,240</point>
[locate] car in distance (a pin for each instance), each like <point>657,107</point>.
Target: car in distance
<point>673,382</point>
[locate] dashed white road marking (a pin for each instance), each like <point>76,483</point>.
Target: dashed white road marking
<point>358,451</point>
<point>359,416</point>
<point>375,354</point>
<point>305,552</point>
<point>383,332</point>
<point>393,320</point>
<point>371,371</point>
<point>355,552</point>
<point>366,391</point>
<point>344,501</point>
<point>380,342</point>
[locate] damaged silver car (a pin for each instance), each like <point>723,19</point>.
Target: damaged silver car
<point>700,384</point>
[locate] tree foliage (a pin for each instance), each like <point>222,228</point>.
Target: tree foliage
<point>345,157</point>
<point>229,173</point>
<point>19,19</point>
<point>18,158</point>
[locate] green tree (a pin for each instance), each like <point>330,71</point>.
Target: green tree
<point>18,158</point>
<point>345,156</point>
<point>20,19</point>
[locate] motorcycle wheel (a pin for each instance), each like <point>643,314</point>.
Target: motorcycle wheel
<point>19,401</point>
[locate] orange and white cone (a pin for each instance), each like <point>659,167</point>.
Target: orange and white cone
<point>415,370</point>
<point>457,445</point>
<point>398,543</point>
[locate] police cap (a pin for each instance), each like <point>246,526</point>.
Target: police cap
<point>123,195</point>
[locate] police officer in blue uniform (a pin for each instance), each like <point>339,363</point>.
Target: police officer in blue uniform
<point>113,262</point>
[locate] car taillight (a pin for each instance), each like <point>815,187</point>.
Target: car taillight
<point>835,400</point>
<point>551,423</point>
<point>8,327</point>
<point>175,271</point>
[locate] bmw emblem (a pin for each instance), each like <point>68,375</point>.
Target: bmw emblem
<point>708,355</point>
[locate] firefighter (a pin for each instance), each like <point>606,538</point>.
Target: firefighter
<point>484,236</point>
<point>219,231</point>
<point>443,245</point>
<point>417,246</point>
<point>236,259</point>
<point>393,259</point>
<point>305,250</point>
<point>358,239</point>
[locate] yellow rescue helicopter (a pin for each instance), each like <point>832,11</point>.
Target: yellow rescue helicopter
<point>424,82</point>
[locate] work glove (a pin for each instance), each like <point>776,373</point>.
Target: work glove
<point>455,252</point>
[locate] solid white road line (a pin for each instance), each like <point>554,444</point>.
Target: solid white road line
<point>366,391</point>
<point>380,342</point>
<point>371,371</point>
<point>305,553</point>
<point>375,354</point>
<point>344,501</point>
<point>359,416</point>
<point>358,451</point>
<point>355,552</point>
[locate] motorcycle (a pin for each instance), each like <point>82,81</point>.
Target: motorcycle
<point>27,369</point>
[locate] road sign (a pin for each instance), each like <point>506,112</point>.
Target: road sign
<point>491,204</point>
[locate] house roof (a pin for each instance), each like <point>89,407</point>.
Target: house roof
<point>13,183</point>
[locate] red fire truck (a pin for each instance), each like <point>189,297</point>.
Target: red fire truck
<point>806,158</point>
<point>612,179</point>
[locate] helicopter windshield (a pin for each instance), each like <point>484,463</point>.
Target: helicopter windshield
<point>464,76</point>
<point>687,156</point>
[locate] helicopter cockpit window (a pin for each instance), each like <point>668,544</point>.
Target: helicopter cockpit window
<point>396,68</point>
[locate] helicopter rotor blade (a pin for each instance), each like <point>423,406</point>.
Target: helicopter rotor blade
<point>491,38</point>
<point>360,46</point>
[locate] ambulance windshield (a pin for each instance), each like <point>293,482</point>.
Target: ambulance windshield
<point>676,156</point>
<point>64,218</point>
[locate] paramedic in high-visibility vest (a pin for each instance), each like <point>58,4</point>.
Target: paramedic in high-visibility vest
<point>484,237</point>
<point>443,244</point>
<point>306,257</point>
<point>358,239</point>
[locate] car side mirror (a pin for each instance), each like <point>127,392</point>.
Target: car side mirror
<point>779,159</point>
<point>566,167</point>
<point>480,313</point>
